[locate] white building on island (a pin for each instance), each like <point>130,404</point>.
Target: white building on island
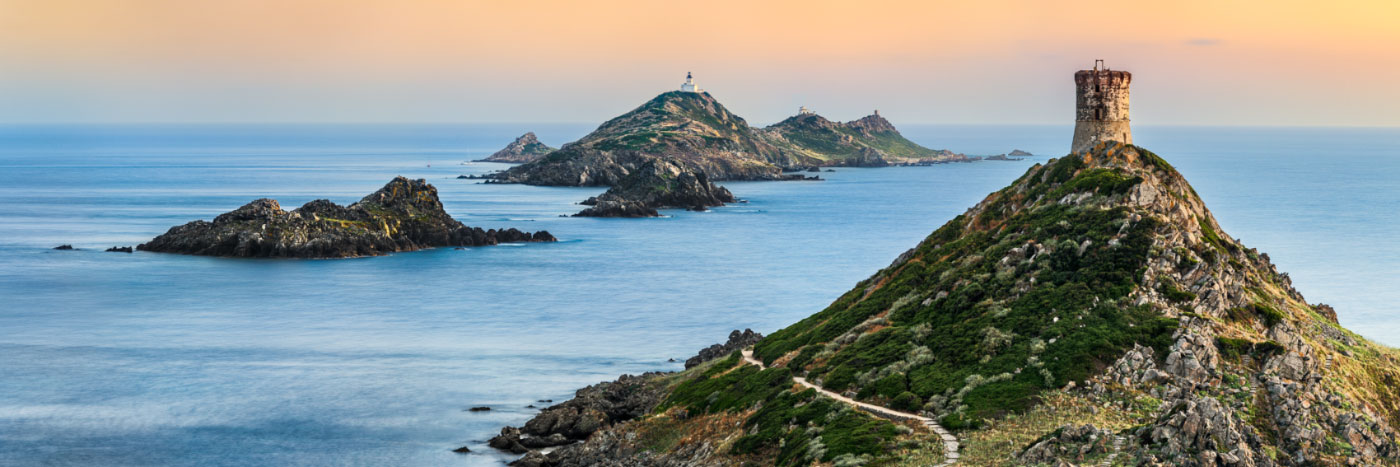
<point>689,85</point>
<point>805,111</point>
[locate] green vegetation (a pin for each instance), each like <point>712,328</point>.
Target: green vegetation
<point>1099,180</point>
<point>962,340</point>
<point>801,427</point>
<point>1233,349</point>
<point>1172,293</point>
<point>1268,314</point>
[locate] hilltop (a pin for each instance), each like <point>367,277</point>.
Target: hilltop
<point>404,215</point>
<point>526,148</point>
<point>870,141</point>
<point>1091,312</point>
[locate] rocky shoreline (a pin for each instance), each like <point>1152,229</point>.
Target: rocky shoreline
<point>563,434</point>
<point>404,215</point>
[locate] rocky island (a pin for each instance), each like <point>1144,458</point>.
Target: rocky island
<point>524,149</point>
<point>657,184</point>
<point>1091,313</point>
<point>404,215</point>
<point>689,129</point>
<point>871,141</point>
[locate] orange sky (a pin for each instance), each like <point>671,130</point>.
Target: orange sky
<point>1194,62</point>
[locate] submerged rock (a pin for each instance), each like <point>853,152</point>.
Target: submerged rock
<point>64,247</point>
<point>657,184</point>
<point>405,215</point>
<point>119,249</point>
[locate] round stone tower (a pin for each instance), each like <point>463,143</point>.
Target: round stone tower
<point>1100,107</point>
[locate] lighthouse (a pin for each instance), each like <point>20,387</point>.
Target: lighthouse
<point>1101,107</point>
<point>689,85</point>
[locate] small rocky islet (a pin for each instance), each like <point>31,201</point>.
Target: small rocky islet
<point>404,215</point>
<point>657,184</point>
<point>524,149</point>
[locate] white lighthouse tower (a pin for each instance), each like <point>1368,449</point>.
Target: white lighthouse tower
<point>689,85</point>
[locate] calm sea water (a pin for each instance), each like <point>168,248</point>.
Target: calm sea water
<point>156,359</point>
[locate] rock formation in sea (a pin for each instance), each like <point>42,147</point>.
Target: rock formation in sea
<point>1018,153</point>
<point>524,149</point>
<point>404,215</point>
<point>870,141</point>
<point>657,184</point>
<point>1093,312</point>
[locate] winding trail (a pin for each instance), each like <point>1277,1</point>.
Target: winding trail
<point>950,442</point>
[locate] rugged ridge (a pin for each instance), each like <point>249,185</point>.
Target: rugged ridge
<point>404,215</point>
<point>657,184</point>
<point>871,141</point>
<point>1091,313</point>
<point>524,149</point>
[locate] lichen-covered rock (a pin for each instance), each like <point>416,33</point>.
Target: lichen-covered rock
<point>1202,431</point>
<point>657,184</point>
<point>405,215</point>
<point>1067,445</point>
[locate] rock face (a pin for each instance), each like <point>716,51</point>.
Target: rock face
<point>1096,286</point>
<point>405,215</point>
<point>657,184</point>
<point>524,149</point>
<point>871,141</point>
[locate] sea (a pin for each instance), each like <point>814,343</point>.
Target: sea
<point>151,359</point>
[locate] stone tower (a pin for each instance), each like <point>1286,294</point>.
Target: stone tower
<point>1100,107</point>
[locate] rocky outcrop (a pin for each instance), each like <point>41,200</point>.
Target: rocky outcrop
<point>524,149</point>
<point>737,341</point>
<point>871,141</point>
<point>119,249</point>
<point>1067,443</point>
<point>405,215</point>
<point>64,247</point>
<point>1019,153</point>
<point>592,408</point>
<point>657,184</point>
<point>593,413</point>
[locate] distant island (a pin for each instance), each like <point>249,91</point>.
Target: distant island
<point>524,149</point>
<point>404,215</point>
<point>871,141</point>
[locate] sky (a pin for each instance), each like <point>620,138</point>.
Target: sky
<point>1278,62</point>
